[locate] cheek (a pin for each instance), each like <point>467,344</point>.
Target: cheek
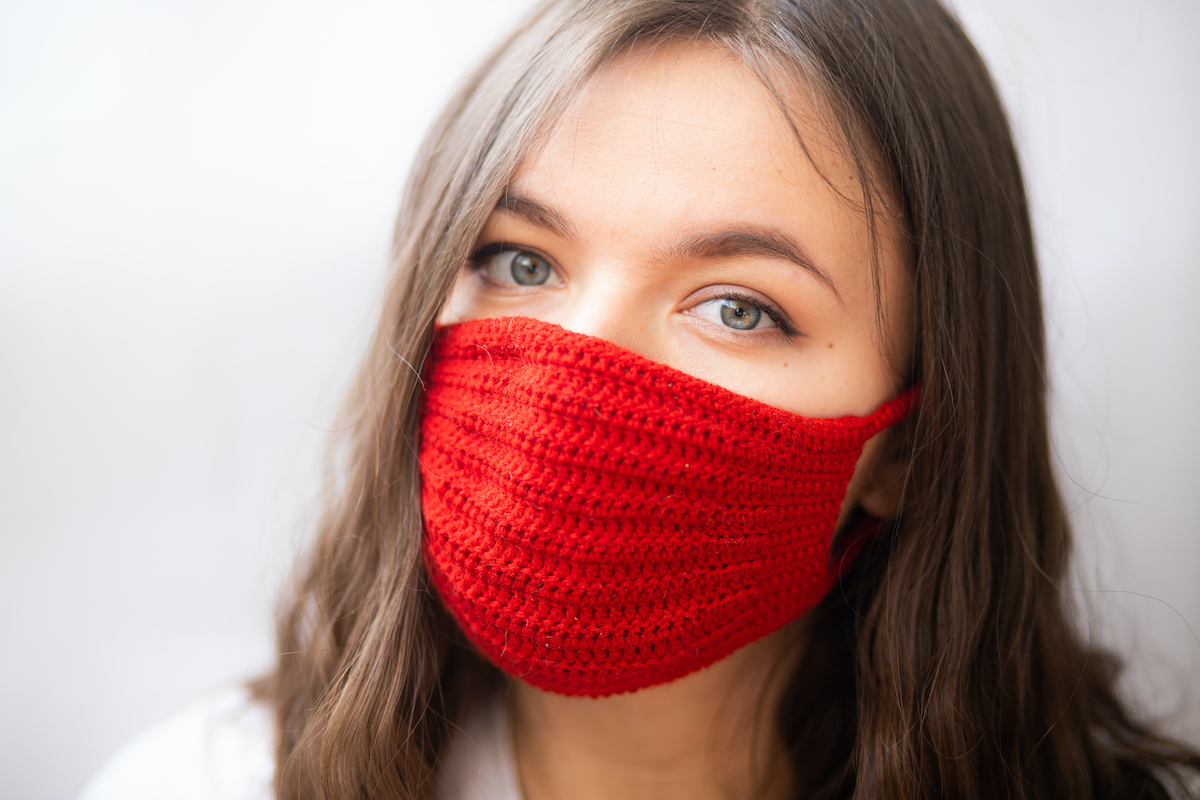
<point>850,379</point>
<point>458,304</point>
<point>468,301</point>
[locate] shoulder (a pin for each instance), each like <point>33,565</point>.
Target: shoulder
<point>220,748</point>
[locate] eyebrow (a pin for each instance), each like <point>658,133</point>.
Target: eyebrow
<point>753,240</point>
<point>743,240</point>
<point>536,213</point>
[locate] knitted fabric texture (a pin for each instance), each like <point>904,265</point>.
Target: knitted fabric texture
<point>598,522</point>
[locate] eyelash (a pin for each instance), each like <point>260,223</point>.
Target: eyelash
<point>776,315</point>
<point>773,312</point>
<point>475,260</point>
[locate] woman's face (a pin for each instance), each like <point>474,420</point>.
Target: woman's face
<point>673,211</point>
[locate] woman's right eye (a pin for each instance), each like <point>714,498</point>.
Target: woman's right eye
<point>513,267</point>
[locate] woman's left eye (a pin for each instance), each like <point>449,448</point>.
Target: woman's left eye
<point>514,267</point>
<point>736,313</point>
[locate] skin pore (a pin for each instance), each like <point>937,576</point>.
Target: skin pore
<point>674,212</point>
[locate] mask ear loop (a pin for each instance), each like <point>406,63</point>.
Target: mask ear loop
<point>863,527</point>
<point>854,538</point>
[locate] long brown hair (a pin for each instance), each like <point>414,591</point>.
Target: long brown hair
<point>945,664</point>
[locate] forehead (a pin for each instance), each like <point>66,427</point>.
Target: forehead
<point>683,136</point>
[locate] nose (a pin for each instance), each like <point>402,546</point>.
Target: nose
<point>618,311</point>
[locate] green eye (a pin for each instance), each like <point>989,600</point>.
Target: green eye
<point>509,266</point>
<point>529,269</point>
<point>739,314</point>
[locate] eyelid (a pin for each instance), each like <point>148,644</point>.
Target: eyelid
<point>492,248</point>
<point>478,263</point>
<point>773,311</point>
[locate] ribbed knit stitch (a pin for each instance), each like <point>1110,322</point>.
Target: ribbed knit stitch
<point>598,522</point>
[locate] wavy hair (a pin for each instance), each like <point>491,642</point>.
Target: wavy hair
<point>946,665</point>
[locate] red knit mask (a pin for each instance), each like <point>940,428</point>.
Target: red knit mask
<point>598,522</point>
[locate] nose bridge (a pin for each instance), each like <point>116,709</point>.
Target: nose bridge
<point>614,306</point>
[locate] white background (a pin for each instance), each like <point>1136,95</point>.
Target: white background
<point>195,207</point>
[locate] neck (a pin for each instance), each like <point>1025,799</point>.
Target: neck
<point>710,735</point>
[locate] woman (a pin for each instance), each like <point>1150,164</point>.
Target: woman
<point>726,473</point>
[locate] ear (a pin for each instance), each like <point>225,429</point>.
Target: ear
<point>883,488</point>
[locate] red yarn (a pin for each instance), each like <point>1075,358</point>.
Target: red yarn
<point>598,522</point>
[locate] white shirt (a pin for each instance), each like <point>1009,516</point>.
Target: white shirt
<point>223,748</point>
